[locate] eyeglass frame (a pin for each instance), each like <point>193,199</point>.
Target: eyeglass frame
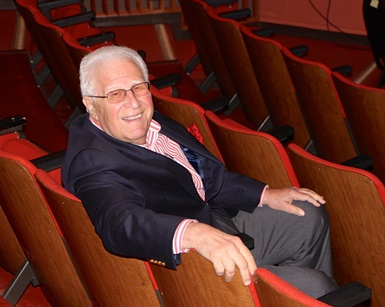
<point>125,93</point>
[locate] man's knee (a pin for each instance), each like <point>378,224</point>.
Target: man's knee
<point>316,217</point>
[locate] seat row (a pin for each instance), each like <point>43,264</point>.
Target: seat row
<point>274,87</point>
<point>332,116</point>
<point>270,82</point>
<point>355,197</point>
<point>289,170</point>
<point>50,241</point>
<point>64,33</point>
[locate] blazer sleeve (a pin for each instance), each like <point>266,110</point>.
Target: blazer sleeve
<point>117,209</point>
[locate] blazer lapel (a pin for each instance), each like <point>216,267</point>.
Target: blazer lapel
<point>156,161</point>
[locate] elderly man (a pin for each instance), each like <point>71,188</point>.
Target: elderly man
<point>135,173</point>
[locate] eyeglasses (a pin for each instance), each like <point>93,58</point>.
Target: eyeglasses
<point>117,96</point>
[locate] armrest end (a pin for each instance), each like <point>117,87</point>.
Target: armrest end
<point>11,124</point>
<point>96,39</point>
<point>300,50</point>
<point>236,14</point>
<point>283,133</point>
<point>351,294</point>
<point>73,20</point>
<point>50,162</point>
<point>167,80</point>
<point>344,70</point>
<point>360,161</point>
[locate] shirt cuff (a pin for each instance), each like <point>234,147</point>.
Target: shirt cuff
<point>262,194</point>
<point>178,237</point>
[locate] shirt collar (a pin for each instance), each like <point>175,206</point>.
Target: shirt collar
<point>152,133</point>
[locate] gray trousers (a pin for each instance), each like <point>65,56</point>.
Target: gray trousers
<point>297,249</point>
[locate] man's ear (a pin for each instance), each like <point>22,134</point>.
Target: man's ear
<point>89,104</point>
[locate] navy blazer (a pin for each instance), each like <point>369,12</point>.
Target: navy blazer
<point>136,198</point>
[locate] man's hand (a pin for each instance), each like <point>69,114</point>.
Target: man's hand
<point>225,251</point>
<point>281,199</point>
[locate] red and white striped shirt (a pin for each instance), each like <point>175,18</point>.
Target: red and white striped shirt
<point>163,145</point>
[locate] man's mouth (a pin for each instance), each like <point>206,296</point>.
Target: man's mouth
<point>128,118</point>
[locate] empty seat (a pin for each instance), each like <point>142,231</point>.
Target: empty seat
<point>365,112</point>
<point>49,52</point>
<point>238,63</point>
<point>255,154</point>
<point>37,233</point>
<point>11,253</point>
<point>275,84</point>
<point>207,46</point>
<point>321,108</point>
<point>355,202</point>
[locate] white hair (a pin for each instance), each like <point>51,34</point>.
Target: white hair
<point>101,55</point>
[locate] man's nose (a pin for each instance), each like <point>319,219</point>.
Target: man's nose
<point>130,100</point>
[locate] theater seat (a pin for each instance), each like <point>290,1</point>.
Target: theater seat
<point>207,47</point>
<point>355,202</point>
<point>48,261</point>
<point>111,280</point>
<point>275,83</point>
<point>195,283</point>
<point>321,108</point>
<point>188,114</point>
<point>244,149</point>
<point>228,35</point>
<point>365,111</point>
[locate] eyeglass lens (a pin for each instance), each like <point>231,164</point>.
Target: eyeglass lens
<point>138,90</point>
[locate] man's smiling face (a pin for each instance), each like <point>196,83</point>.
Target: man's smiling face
<point>130,119</point>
